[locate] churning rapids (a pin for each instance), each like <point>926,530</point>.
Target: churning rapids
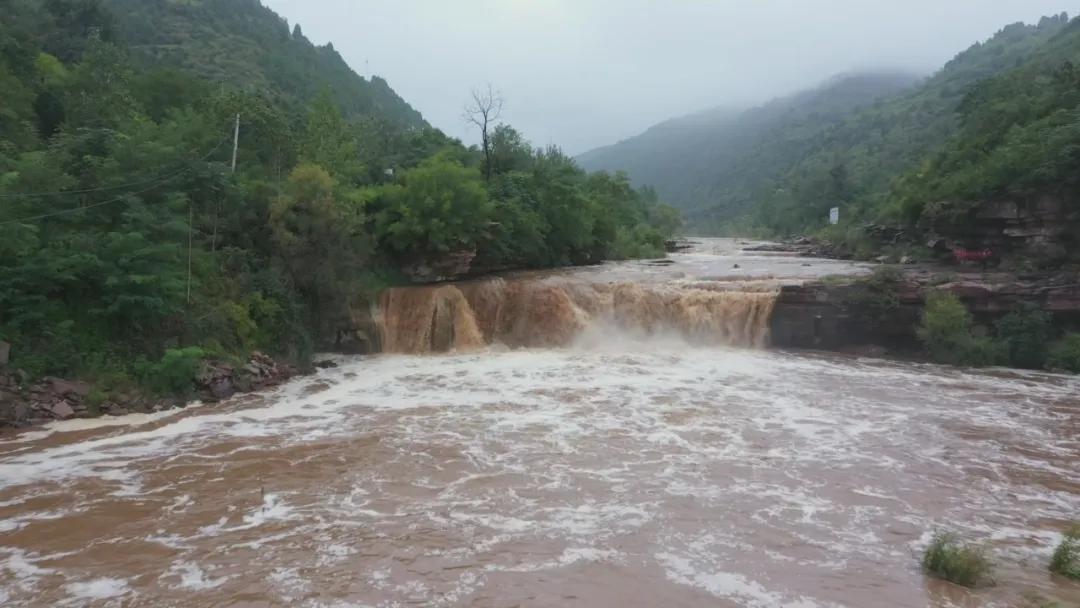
<point>602,437</point>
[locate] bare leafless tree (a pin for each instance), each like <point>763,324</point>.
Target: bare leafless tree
<point>484,109</point>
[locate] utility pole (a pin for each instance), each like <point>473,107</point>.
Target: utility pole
<point>236,143</point>
<point>190,222</point>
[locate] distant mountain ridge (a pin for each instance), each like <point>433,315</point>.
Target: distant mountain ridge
<point>248,46</point>
<point>701,157</point>
<point>785,163</point>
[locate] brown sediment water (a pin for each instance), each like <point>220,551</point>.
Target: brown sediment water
<point>556,311</point>
<point>622,444</point>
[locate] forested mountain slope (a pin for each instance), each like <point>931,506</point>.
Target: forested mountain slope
<point>244,44</point>
<point>130,250</point>
<point>715,160</point>
<point>796,167</point>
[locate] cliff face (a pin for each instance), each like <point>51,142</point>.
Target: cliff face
<point>840,316</point>
<point>1045,228</point>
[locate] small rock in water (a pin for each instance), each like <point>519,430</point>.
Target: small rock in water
<point>327,364</point>
<point>736,266</point>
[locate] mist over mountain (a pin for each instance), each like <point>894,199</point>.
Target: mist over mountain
<point>783,164</point>
<point>703,159</point>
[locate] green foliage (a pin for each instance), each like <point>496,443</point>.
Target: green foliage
<point>1025,334</point>
<point>175,373</point>
<point>876,297</point>
<point>946,331</point>
<point>638,242</point>
<point>1065,355</point>
<point>1066,558</point>
<point>950,559</point>
<point>1001,119</point>
<point>245,45</point>
<point>439,207</point>
<point>129,249</point>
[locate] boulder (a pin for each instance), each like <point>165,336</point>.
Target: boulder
<point>67,388</point>
<point>60,410</point>
<point>5,353</point>
<point>222,389</point>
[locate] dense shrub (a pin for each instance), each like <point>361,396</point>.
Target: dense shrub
<point>1065,355</point>
<point>950,559</point>
<point>946,331</point>
<point>175,373</point>
<point>1025,334</point>
<point>1066,560</point>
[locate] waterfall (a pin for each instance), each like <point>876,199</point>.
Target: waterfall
<point>555,311</point>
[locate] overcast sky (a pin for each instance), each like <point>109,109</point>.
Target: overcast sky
<point>586,73</point>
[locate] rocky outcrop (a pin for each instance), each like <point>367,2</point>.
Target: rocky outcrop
<point>450,267</point>
<point>25,403</point>
<point>219,380</point>
<point>832,316</point>
<point>845,315</point>
<point>1044,228</point>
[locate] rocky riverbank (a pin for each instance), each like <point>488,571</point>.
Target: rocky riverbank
<point>881,313</point>
<point>26,403</point>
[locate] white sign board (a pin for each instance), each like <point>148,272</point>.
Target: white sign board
<point>834,216</point>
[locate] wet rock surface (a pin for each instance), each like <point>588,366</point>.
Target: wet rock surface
<point>25,403</point>
<point>837,315</point>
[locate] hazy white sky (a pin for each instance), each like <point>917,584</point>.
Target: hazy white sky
<point>586,73</point>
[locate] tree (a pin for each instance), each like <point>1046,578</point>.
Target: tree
<point>328,141</point>
<point>484,109</point>
<point>440,207</point>
<point>509,150</point>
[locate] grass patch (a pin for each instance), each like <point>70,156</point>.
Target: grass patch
<point>1066,560</point>
<point>950,559</point>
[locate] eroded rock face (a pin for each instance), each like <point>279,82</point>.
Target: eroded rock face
<point>1046,228</point>
<point>219,380</point>
<point>843,316</point>
<point>838,317</point>
<point>450,267</point>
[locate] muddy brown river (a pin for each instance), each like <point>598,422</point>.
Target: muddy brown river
<point>624,468</point>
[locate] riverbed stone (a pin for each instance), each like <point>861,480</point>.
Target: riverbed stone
<point>66,388</point>
<point>61,410</point>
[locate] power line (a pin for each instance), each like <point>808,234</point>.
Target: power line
<point>119,198</point>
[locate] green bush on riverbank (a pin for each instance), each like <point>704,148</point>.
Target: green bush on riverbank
<point>946,331</point>
<point>950,559</point>
<point>1066,559</point>
<point>1065,355</point>
<point>1021,339</point>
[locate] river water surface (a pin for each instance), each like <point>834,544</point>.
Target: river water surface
<point>621,470</point>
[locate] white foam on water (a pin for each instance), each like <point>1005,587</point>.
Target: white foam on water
<point>592,452</point>
<point>737,587</point>
<point>91,424</point>
<point>192,577</point>
<point>98,589</point>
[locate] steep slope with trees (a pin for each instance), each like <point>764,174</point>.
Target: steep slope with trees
<point>248,46</point>
<point>712,164</point>
<point>129,250</point>
<point>785,175</point>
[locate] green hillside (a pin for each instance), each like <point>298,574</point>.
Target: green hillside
<point>711,164</point>
<point>779,168</point>
<point>130,250</point>
<point>246,45</point>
